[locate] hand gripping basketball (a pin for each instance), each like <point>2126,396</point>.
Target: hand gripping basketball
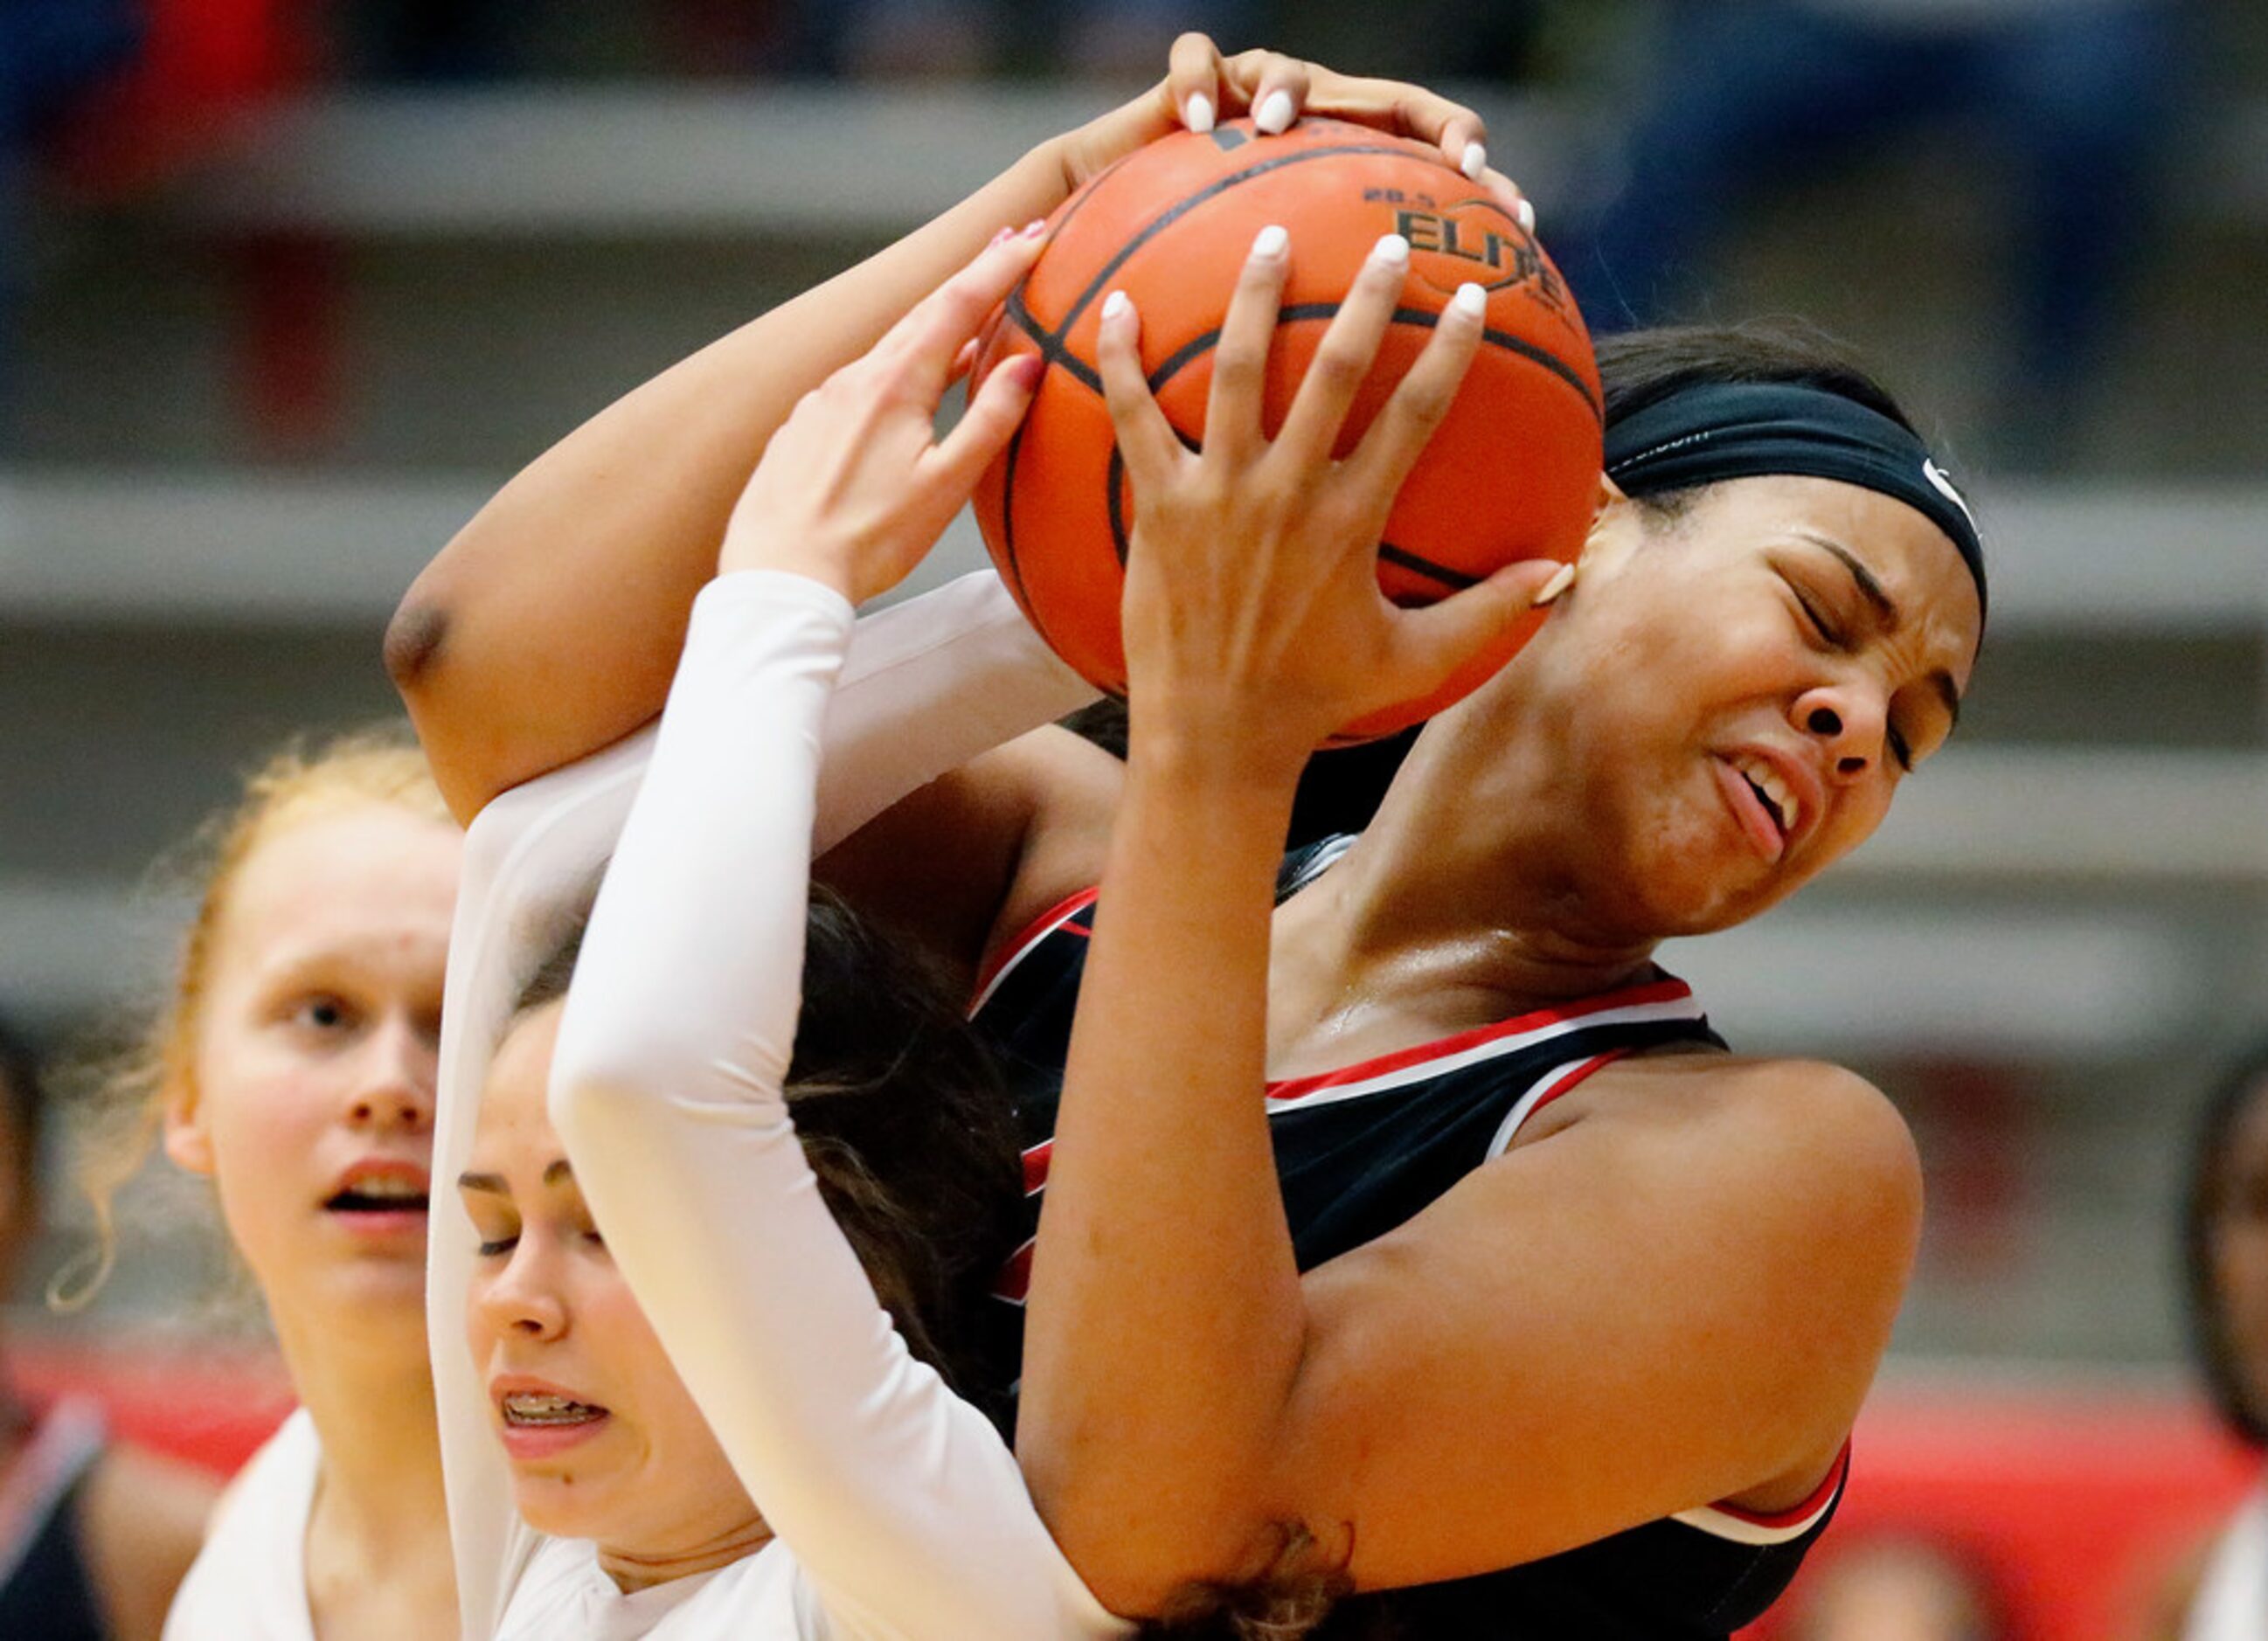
<point>1203,87</point>
<point>1252,617</point>
<point>855,487</point>
<point>1511,474</point>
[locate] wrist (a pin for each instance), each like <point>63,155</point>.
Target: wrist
<point>1046,173</point>
<point>796,557</point>
<point>1232,755</point>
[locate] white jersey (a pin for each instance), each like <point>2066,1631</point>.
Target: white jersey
<point>897,1509</point>
<point>249,1583</point>
<point>564,1591</point>
<point>2232,1599</point>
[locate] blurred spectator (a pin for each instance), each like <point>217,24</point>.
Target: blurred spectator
<point>51,53</point>
<point>1897,1588</point>
<point>93,1538</point>
<point>963,39</point>
<point>2225,1246</point>
<point>2068,100</point>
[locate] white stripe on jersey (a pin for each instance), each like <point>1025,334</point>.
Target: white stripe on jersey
<point>1684,1008</point>
<point>1722,1523</point>
<point>1525,1105</point>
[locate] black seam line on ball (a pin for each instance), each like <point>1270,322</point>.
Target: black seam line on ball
<point>1008,520</point>
<point>1455,581</point>
<point>1301,311</point>
<point>1211,190</point>
<point>1120,538</point>
<point>1053,349</point>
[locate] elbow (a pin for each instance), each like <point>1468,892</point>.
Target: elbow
<point>1141,1585</point>
<point>1142,1555</point>
<point>585,1106</point>
<point>416,637</point>
<point>595,1077</point>
<point>413,643</point>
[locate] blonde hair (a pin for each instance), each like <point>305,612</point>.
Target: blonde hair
<point>376,767</point>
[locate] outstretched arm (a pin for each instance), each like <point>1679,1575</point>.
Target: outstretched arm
<point>550,626</point>
<point>900,1500</point>
<point>927,684</point>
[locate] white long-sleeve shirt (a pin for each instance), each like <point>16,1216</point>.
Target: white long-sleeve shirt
<point>898,1510</point>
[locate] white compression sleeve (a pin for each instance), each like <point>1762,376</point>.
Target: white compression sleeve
<point>928,684</point>
<point>900,1502</point>
<point>966,659</point>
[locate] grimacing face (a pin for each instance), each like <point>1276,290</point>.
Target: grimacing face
<point>311,1099</point>
<point>604,1441</point>
<point>1734,694</point>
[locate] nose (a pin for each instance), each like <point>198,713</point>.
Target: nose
<point>521,1301</point>
<point>393,1087</point>
<point>1850,721</point>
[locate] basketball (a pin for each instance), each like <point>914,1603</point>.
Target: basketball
<point>1511,473</point>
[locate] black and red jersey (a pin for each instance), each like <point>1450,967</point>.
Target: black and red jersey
<point>1363,1149</point>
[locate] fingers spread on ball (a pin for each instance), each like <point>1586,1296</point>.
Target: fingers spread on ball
<point>1240,359</point>
<point>986,426</point>
<point>1397,436</point>
<point>1344,358</point>
<point>1146,438</point>
<point>933,332</point>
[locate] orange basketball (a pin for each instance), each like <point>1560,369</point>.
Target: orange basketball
<point>1511,473</point>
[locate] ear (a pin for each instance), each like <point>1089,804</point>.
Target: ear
<point>188,1146</point>
<point>1611,506</point>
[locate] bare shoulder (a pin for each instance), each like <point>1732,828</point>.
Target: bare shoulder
<point>1805,1166</point>
<point>1801,1130</point>
<point>143,1518</point>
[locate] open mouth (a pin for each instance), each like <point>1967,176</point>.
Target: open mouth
<point>1771,792</point>
<point>528,1411</point>
<point>378,1197</point>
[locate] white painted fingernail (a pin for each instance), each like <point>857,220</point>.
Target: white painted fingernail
<point>1476,161</point>
<point>1470,300</point>
<point>1275,113</point>
<point>1270,241</point>
<point>1198,115</point>
<point>1561,580</point>
<point>1116,306</point>
<point>1391,249</point>
<point>1526,214</point>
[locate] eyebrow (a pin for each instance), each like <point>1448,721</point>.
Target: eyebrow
<point>495,1185</point>
<point>1886,607</point>
<point>1876,594</point>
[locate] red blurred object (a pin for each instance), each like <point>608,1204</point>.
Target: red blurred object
<point>210,1406</point>
<point>202,63</point>
<point>2076,1505</point>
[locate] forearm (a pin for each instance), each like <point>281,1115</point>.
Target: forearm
<point>551,624</point>
<point>1166,1326</point>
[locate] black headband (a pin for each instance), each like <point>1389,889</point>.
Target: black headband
<point>1747,429</point>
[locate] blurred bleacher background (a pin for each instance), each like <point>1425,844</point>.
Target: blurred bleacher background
<point>286,289</point>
